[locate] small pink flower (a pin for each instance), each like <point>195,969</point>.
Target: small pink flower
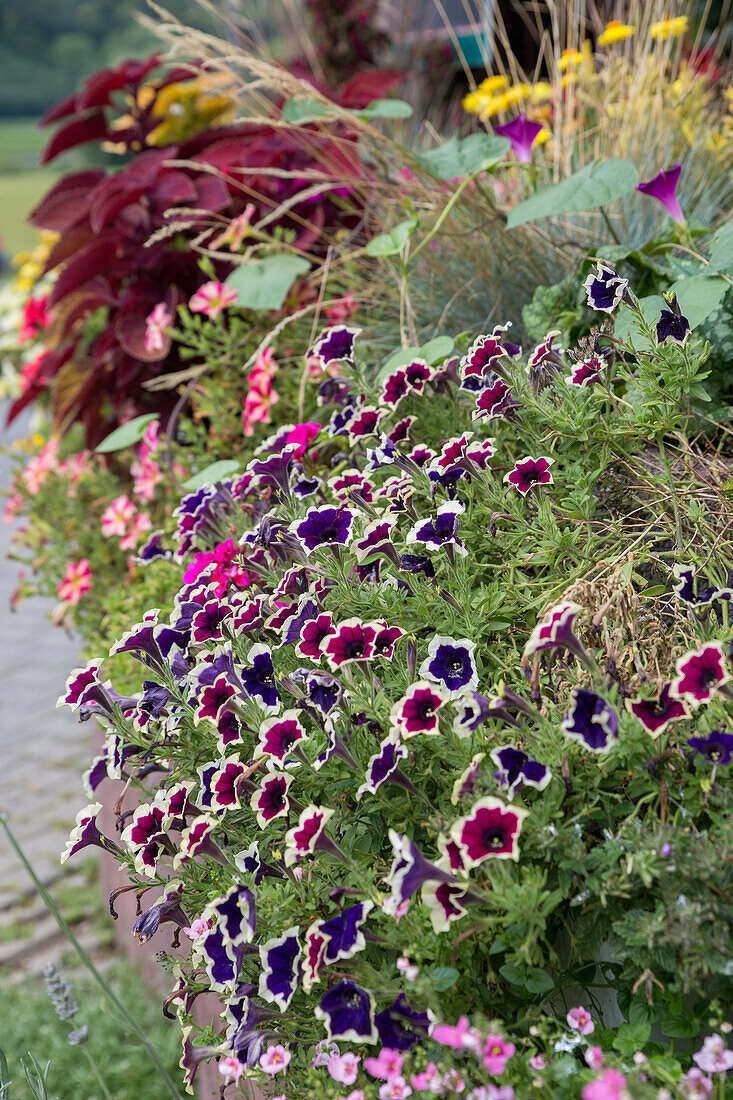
<point>344,1067</point>
<point>356,1094</point>
<point>459,1037</point>
<point>496,1053</point>
<point>424,1080</point>
<point>594,1058</point>
<point>300,436</point>
<point>13,507</point>
<point>237,230</point>
<point>76,581</point>
<point>231,1069</point>
<point>395,1089</point>
<point>538,1061</point>
<point>342,308</point>
<point>156,322</point>
<point>147,475</point>
<point>35,319</point>
<point>611,1086</point>
<point>580,1020</point>
<point>713,1057</point>
<point>199,928</point>
<point>407,968</point>
<point>275,1059</point>
<point>695,1085</point>
<point>116,517</point>
<point>141,524</point>
<point>387,1064</point>
<point>212,298</point>
<point>41,466</point>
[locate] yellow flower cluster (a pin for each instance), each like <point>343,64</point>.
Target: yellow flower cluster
<point>184,109</point>
<point>495,96</point>
<point>30,263</point>
<point>670,28</point>
<point>615,31</point>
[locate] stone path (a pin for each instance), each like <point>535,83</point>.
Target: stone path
<point>43,752</point>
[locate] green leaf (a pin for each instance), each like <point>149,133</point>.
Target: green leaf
<point>625,327</point>
<point>386,108</point>
<point>721,248</point>
<point>215,472</point>
<point>392,243</point>
<point>593,186</point>
<point>435,351</point>
<point>631,1037</point>
<point>454,158</point>
<point>699,296</point>
<point>126,435</point>
<point>264,284</point>
<point>443,977</point>
<point>303,110</point>
<point>539,981</point>
<point>513,973</point>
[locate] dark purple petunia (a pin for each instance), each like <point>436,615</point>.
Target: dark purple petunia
<point>417,711</point>
<point>309,836</point>
<point>401,431</point>
<point>214,699</point>
<point>444,901</point>
<point>385,639</point>
<point>333,391</point>
<point>352,485</point>
<point>274,472</point>
<point>341,418</point>
<point>494,400</point>
<point>166,910</point>
<point>450,662</point>
<point>348,1013</point>
<point>604,287</point>
<point>656,714</point>
<point>78,682</point>
<point>228,729</point>
<point>364,423</point>
<point>280,975</point>
<point>271,800</point>
<point>417,563</point>
<point>521,132</point>
<point>417,374</point>
<point>86,833</point>
<point>154,699</point>
<point>324,527</point>
<point>717,747</point>
<point>490,831</point>
<point>529,472</point>
<point>591,720</point>
<point>515,770</point>
<point>206,623</point>
<point>484,353</point>
<point>225,785</point>
<point>700,674</point>
<point>292,628</point>
<point>663,188</point>
<point>222,959</point>
<point>335,345</point>
<point>686,590</point>
<point>258,680</point>
<point>400,1026</point>
<point>323,690</point>
<point>395,388</point>
<point>442,531</point>
<point>384,767</point>
<point>555,630</point>
<point>141,642</point>
<point>235,914</point>
<point>344,937</point>
<point>410,869</point>
<point>313,634</point>
<point>153,548</point>
<point>672,326</point>
<point>376,540</point>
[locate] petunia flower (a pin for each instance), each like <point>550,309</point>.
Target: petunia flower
<point>395,388</point>
<point>271,800</point>
<point>604,287</point>
<point>521,132</point>
<point>444,903</point>
<point>258,678</point>
<point>700,674</point>
<point>484,354</point>
<point>400,1026</point>
<point>221,959</point>
<point>309,836</point>
<point>278,736</point>
<point>335,345</point>
<point>466,781</point>
<point>591,720</point>
<point>75,582</point>
<point>324,527</point>
<point>490,831</point>
<point>417,711</point>
<point>383,767</point>
<point>580,1020</point>
<point>116,516</point>
<point>233,914</point>
<point>610,1086</point>
<point>410,869</point>
<point>212,298</point>
<point>344,937</point>
<point>312,636</point>
<point>450,662</point>
<point>717,747</point>
<point>86,832</point>
<point>656,714</point>
<point>494,400</point>
<point>352,640</point>
<point>224,785</point>
<point>517,770</point>
<point>275,1059</point>
<point>663,188</point>
<point>496,1053</point>
<point>587,371</point>
<point>529,472</point>
<point>348,1013</point>
<point>157,321</point>
<point>280,962</point>
<point>685,589</point>
<point>555,630</point>
<point>672,325</point>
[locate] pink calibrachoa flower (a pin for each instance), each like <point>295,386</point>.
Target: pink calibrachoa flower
<point>459,1036</point>
<point>147,474</point>
<point>199,928</point>
<point>156,322</point>
<point>76,581</point>
<point>426,1079</point>
<point>237,230</point>
<point>344,1067</point>
<point>140,524</point>
<point>386,1065</point>
<point>594,1058</point>
<point>275,1059</point>
<point>395,1089</point>
<point>580,1020</point>
<point>496,1053</point>
<point>212,298</point>
<point>231,1069</point>
<point>116,517</point>
<point>260,396</point>
<point>538,1061</point>
<point>663,188</point>
<point>611,1086</point>
<point>407,968</point>
<point>41,465</point>
<point>695,1085</point>
<point>713,1057</point>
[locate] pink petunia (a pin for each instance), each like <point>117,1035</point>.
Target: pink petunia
<point>580,1020</point>
<point>76,581</point>
<point>714,1057</point>
<point>231,1069</point>
<point>386,1065</point>
<point>496,1053</point>
<point>300,436</point>
<point>156,322</point>
<point>116,517</point>
<point>460,1036</point>
<point>344,1067</point>
<point>212,298</point>
<point>342,308</point>
<point>275,1059</point>
<point>139,526</point>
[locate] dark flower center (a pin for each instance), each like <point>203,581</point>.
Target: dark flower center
<point>454,666</point>
<point>494,838</point>
<point>355,649</point>
<point>330,532</point>
<point>426,710</point>
<point>714,753</point>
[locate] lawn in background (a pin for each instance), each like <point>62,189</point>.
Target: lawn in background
<point>21,181</point>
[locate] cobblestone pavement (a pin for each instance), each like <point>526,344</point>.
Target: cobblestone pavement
<point>43,752</point>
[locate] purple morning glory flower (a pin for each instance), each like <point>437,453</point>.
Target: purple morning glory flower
<point>400,1026</point>
<point>604,287</point>
<point>280,959</point>
<point>591,720</point>
<point>450,662</point>
<point>521,133</point>
<point>348,1013</point>
<point>410,869</point>
<point>323,527</point>
<point>344,935</point>
<point>259,679</point>
<point>663,188</point>
<point>717,747</point>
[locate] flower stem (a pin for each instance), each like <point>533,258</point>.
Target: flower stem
<point>673,491</point>
<point>607,220</point>
<point>85,958</point>
<point>97,1074</point>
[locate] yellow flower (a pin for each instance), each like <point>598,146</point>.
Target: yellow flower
<point>670,28</point>
<point>492,84</point>
<point>542,137</point>
<point>568,58</point>
<point>615,31</point>
<point>541,92</point>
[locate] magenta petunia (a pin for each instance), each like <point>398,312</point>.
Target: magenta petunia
<point>278,736</point>
<point>656,714</point>
<point>395,388</point>
<point>313,635</point>
<point>308,835</point>
<point>700,674</point>
<point>271,800</point>
<point>352,640</point>
<point>529,472</point>
<point>490,831</point>
<point>417,711</point>
<point>494,400</point>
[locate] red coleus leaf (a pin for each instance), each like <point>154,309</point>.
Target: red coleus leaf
<point>67,202</point>
<point>97,89</point>
<point>131,322</point>
<point>67,244</point>
<point>91,127</point>
<point>365,87</point>
<point>96,258</point>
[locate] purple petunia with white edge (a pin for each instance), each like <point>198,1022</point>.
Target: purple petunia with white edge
<point>450,663</point>
<point>591,720</point>
<point>604,287</point>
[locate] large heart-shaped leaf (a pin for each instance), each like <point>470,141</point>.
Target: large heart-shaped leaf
<point>454,158</point>
<point>721,248</point>
<point>699,296</point>
<point>435,351</point>
<point>303,110</point>
<point>215,472</point>
<point>264,284</point>
<point>126,435</point>
<point>386,108</point>
<point>592,186</point>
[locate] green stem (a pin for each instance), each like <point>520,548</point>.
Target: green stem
<point>97,1074</point>
<point>673,491</point>
<point>85,958</point>
<point>607,220</point>
<point>443,215</point>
